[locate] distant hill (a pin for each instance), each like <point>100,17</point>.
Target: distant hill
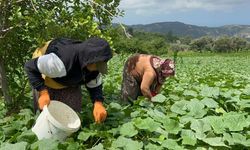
<point>182,29</point>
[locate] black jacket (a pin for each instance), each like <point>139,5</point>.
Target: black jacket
<point>75,55</point>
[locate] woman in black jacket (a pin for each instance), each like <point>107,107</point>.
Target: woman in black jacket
<point>63,65</point>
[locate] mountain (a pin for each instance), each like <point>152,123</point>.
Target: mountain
<point>182,29</point>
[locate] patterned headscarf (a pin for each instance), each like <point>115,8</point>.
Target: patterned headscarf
<point>163,68</point>
<point>167,68</point>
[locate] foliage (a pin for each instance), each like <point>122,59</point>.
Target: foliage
<point>202,44</point>
<point>161,44</point>
<point>206,106</point>
<point>27,24</point>
<point>140,42</point>
<point>179,47</point>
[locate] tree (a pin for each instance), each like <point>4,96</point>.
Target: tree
<point>141,42</point>
<point>27,24</point>
<point>170,37</point>
<point>223,44</point>
<point>202,44</point>
<point>186,40</point>
<point>238,43</point>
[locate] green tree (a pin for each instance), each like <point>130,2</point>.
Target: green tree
<point>140,42</point>
<point>202,44</point>
<point>186,40</point>
<point>223,44</point>
<point>238,43</point>
<point>170,37</point>
<point>26,24</point>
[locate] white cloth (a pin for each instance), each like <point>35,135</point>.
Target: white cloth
<point>95,82</point>
<point>51,65</point>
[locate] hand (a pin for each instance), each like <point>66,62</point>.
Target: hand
<point>99,112</point>
<point>153,93</point>
<point>44,98</point>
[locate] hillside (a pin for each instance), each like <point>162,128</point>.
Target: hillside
<point>182,29</point>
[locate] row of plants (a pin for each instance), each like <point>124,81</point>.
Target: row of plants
<point>206,106</point>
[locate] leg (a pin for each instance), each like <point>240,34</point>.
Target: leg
<point>130,89</point>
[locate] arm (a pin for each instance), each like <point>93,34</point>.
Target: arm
<point>147,80</point>
<point>34,75</point>
<point>37,82</point>
<point>95,90</point>
<point>50,65</point>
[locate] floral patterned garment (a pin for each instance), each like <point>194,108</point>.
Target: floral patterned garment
<point>163,68</point>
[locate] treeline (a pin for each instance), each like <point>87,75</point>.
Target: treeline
<point>158,44</point>
<point>221,44</point>
<point>139,42</point>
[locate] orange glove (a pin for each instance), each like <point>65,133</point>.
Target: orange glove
<point>44,98</point>
<point>99,112</point>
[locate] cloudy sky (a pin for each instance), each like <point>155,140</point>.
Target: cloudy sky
<point>197,12</point>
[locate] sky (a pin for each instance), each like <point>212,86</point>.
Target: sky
<point>211,13</point>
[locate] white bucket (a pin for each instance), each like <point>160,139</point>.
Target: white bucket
<point>57,120</point>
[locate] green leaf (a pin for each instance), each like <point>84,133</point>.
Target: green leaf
<point>171,144</point>
<point>216,141</point>
<point>227,137</point>
<point>180,107</point>
<point>196,109</point>
<point>190,93</point>
<point>73,146</point>
<point>145,103</point>
<point>84,136</point>
<point>146,124</point>
<point>171,126</point>
<point>239,138</point>
<point>210,92</point>
<point>114,131</point>
<point>128,129</point>
<point>27,136</point>
<point>247,91</point>
<point>204,148</point>
<point>244,104</point>
<point>162,132</point>
<point>209,102</point>
<point>236,138</point>
<point>186,119</point>
<point>235,121</point>
<point>248,120</point>
<point>200,127</point>
<point>17,146</point>
<point>188,137</point>
<point>216,122</point>
<point>159,98</point>
<point>151,146</point>
<point>8,130</point>
<point>227,94</point>
<point>220,110</point>
<point>115,106</point>
<point>135,114</point>
<point>97,147</point>
<point>174,97</point>
<point>157,115</point>
<point>126,144</point>
<point>45,144</point>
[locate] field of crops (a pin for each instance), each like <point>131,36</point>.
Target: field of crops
<point>206,106</point>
